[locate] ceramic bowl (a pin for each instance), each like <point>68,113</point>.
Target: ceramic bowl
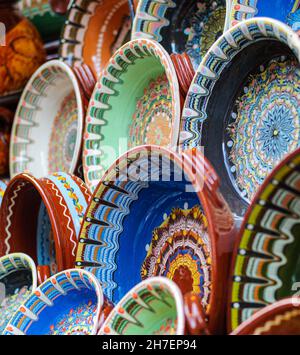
<point>47,130</point>
<point>280,318</point>
<point>266,256</point>
<point>3,186</point>
<point>136,101</point>
<point>181,26</point>
<point>40,13</point>
<point>42,217</point>
<point>286,11</point>
<point>153,307</point>
<point>94,30</point>
<point>69,303</point>
<point>242,106</point>
<point>18,279</point>
<point>152,205</point>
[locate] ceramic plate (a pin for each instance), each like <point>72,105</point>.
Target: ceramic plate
<point>47,129</point>
<point>266,264</point>
<point>136,101</point>
<point>243,106</point>
<point>68,303</point>
<point>94,30</point>
<point>286,11</point>
<point>181,26</point>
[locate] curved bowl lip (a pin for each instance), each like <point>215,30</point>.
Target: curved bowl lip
<point>80,116</point>
<point>170,285</point>
<point>202,194</point>
<point>93,281</point>
<point>138,11</point>
<point>30,262</point>
<point>240,233</point>
<point>37,185</point>
<point>173,80</point>
<point>265,314</point>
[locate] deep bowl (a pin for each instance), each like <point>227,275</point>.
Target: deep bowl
<point>18,279</point>
<point>243,106</point>
<point>69,303</point>
<point>136,101</point>
<point>47,130</point>
<point>266,260</point>
<point>157,213</point>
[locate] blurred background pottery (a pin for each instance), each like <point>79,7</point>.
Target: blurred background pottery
<point>68,303</point>
<point>42,217</point>
<point>153,307</point>
<point>287,11</point>
<point>23,51</point>
<point>48,125</point>
<point>280,318</point>
<point>94,30</point>
<point>18,279</point>
<point>136,101</point>
<point>6,120</point>
<point>181,25</point>
<point>166,212</point>
<point>243,106</point>
<point>3,186</point>
<point>265,266</point>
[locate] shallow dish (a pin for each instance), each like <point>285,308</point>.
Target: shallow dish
<point>243,106</point>
<point>94,30</point>
<point>172,222</point>
<point>18,279</point>
<point>42,217</point>
<point>47,130</point>
<point>265,265</point>
<point>69,303</point>
<point>286,11</point>
<point>181,26</point>
<point>136,101</point>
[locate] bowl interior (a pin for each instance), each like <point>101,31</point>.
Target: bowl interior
<point>283,10</point>
<point>15,287</point>
<point>267,264</point>
<point>160,224</point>
<point>49,108</point>
<point>150,310</point>
<point>182,26</point>
<point>255,117</point>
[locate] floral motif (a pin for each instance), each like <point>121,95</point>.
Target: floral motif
<point>152,120</point>
<point>264,125</point>
<point>180,251</point>
<point>79,321</point>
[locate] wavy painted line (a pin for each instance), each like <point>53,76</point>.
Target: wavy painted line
<point>277,321</point>
<point>10,213</point>
<point>73,241</point>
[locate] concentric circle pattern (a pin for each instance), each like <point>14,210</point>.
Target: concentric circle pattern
<point>264,124</point>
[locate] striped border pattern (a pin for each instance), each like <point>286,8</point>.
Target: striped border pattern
<point>99,104</point>
<point>221,53</point>
<point>46,294</point>
<point>261,251</point>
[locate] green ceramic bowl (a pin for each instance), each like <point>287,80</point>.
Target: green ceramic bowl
<point>153,307</point>
<point>136,101</point>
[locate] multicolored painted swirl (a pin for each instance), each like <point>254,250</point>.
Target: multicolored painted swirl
<point>264,125</point>
<point>267,257</point>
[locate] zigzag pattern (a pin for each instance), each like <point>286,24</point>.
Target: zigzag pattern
<point>72,236</point>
